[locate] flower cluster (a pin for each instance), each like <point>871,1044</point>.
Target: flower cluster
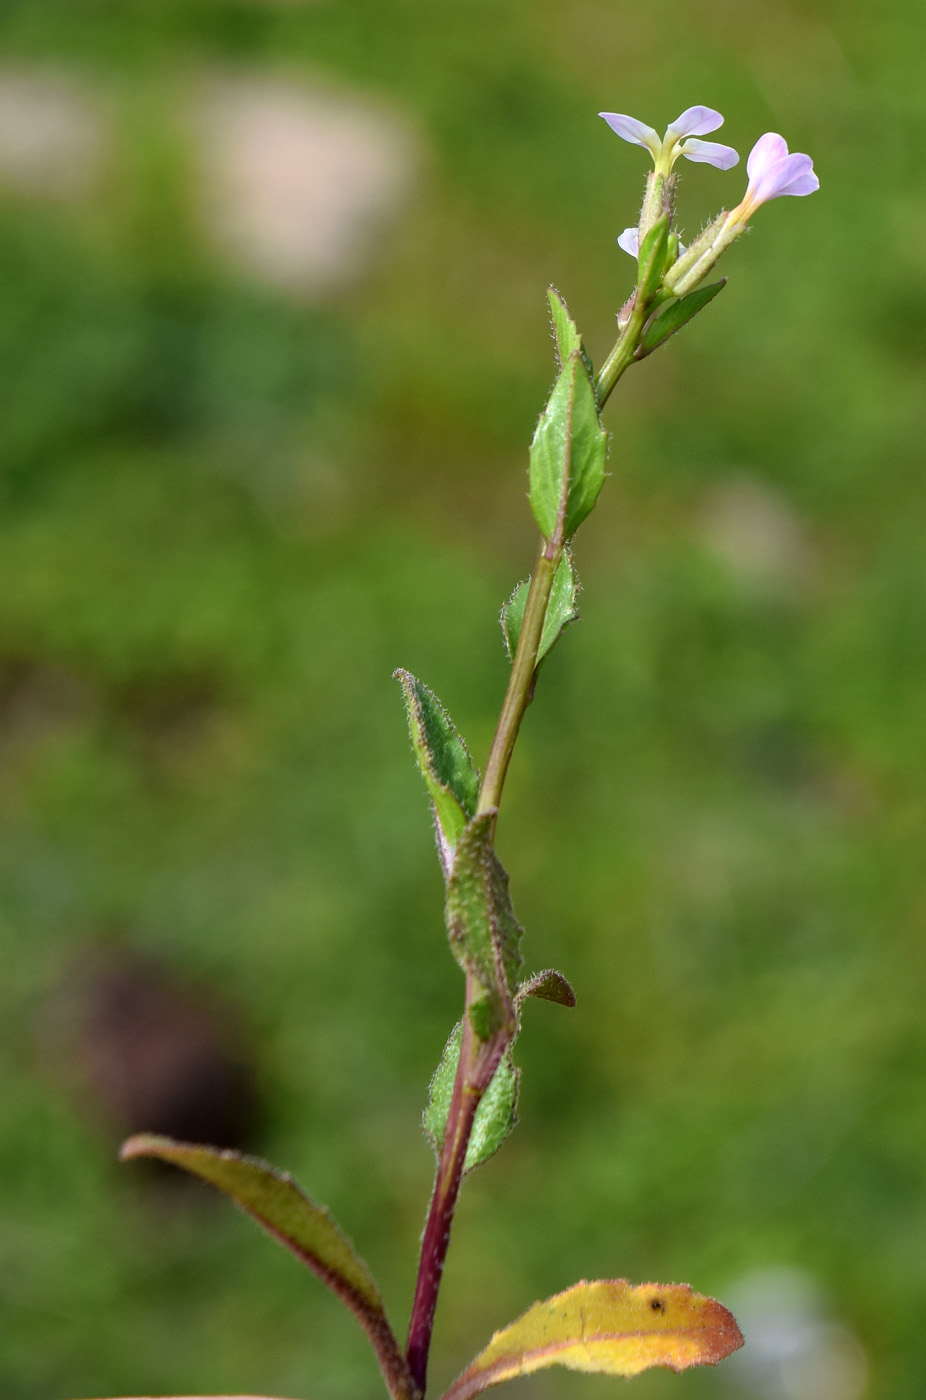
<point>772,170</point>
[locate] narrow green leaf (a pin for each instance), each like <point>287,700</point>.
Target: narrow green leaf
<point>484,934</point>
<point>274,1200</point>
<point>610,1327</point>
<point>547,986</point>
<point>440,1091</point>
<point>567,454</point>
<point>561,609</point>
<point>495,1116</point>
<point>565,335</point>
<point>651,261</point>
<point>675,315</point>
<point>449,772</point>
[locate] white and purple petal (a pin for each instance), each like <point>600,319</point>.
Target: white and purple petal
<point>636,132</point>
<point>695,121</point>
<point>765,152</point>
<point>710,152</point>
<point>797,176</point>
<point>629,240</point>
<point>774,172</point>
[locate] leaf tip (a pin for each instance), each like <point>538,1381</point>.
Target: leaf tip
<point>142,1145</point>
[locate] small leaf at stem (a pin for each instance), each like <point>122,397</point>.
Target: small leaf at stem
<point>495,1117</point>
<point>611,1327</point>
<point>561,609</point>
<point>566,337</point>
<point>675,315</point>
<point>651,260</point>
<point>567,454</point>
<point>484,934</point>
<point>548,986</point>
<point>274,1200</point>
<point>449,772</point>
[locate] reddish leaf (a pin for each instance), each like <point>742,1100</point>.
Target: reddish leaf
<point>548,986</point>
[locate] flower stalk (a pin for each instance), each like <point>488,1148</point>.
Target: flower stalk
<point>667,274</point>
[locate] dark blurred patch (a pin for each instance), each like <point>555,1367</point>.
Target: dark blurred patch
<point>37,697</point>
<point>169,716</point>
<point>169,719</point>
<point>146,1051</point>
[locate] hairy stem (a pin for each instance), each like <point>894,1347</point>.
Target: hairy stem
<point>521,680</point>
<point>478,1063</point>
<point>623,353</point>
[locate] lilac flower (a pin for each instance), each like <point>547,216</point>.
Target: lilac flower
<point>773,171</point>
<point>680,138</point>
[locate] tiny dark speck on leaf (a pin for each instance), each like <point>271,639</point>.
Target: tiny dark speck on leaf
<point>657,1304</point>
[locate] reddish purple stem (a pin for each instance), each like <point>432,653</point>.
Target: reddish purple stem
<point>476,1067</point>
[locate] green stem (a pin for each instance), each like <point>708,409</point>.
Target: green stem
<point>478,1062</point>
<point>623,353</point>
<point>521,681</point>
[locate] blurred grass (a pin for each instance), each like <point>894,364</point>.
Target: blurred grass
<point>252,511</point>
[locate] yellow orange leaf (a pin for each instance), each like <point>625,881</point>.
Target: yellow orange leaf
<point>612,1327</point>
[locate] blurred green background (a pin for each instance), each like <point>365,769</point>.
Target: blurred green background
<point>261,442</point>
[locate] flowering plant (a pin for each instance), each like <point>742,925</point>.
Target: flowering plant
<point>608,1326</point>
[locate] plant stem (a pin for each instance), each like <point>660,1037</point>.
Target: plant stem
<point>521,681</point>
<point>477,1064</point>
<point>479,1061</point>
<point>622,355</point>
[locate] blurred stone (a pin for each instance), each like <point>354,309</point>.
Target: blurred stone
<point>52,138</point>
<point>758,535</point>
<point>147,1052</point>
<point>298,185</point>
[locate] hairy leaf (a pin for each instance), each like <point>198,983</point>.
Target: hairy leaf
<point>561,609</point>
<point>484,934</point>
<point>451,777</point>
<point>565,334</point>
<point>612,1327</point>
<point>495,1116</point>
<point>548,986</point>
<point>675,315</point>
<point>567,454</point>
<point>198,1397</point>
<point>566,337</point>
<point>274,1200</point>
